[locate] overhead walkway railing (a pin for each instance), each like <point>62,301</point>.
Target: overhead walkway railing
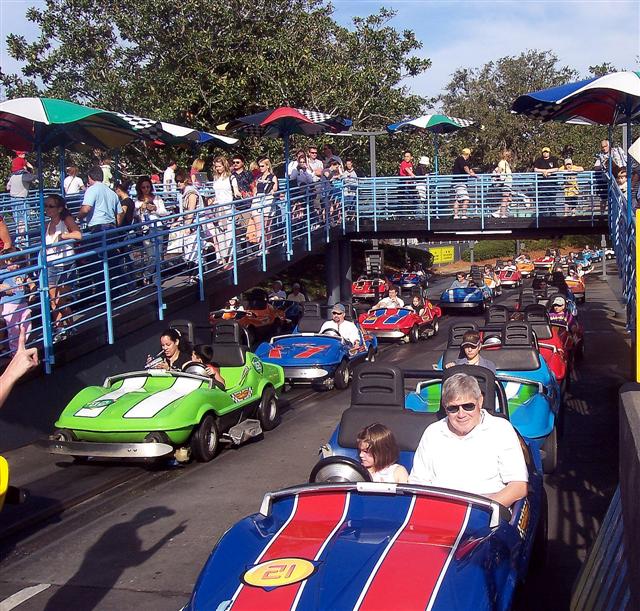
<point>68,286</point>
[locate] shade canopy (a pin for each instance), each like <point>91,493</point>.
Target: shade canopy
<point>45,123</point>
<point>434,123</point>
<point>604,100</point>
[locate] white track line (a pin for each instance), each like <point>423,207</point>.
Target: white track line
<point>21,596</point>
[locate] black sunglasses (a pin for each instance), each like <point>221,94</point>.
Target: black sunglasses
<point>337,313</point>
<point>453,409</point>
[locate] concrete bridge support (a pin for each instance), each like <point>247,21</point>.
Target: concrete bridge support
<point>338,271</point>
<point>345,270</point>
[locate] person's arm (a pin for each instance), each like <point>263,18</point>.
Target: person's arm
<point>84,211</point>
<point>468,169</point>
<point>400,475</point>
<point>5,236</point>
<point>275,184</point>
<point>24,360</point>
<point>73,231</point>
<point>512,492</point>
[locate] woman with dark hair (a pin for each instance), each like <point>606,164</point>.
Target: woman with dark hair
<point>557,280</point>
<point>61,227</point>
<point>149,209</point>
<point>175,351</point>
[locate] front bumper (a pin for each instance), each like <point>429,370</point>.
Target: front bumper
<point>461,304</point>
<point>105,450</point>
<point>308,375</point>
<point>381,334</point>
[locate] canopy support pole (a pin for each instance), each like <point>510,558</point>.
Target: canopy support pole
<point>45,302</point>
<point>288,196</point>
<point>372,156</point>
<point>62,168</point>
<point>435,153</point>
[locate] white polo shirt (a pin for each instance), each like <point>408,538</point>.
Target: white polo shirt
<point>346,329</point>
<point>482,462</point>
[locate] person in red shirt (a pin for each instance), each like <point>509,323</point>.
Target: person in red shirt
<point>406,165</point>
<point>20,164</point>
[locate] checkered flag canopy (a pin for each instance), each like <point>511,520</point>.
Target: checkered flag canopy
<point>147,128</point>
<point>278,122</point>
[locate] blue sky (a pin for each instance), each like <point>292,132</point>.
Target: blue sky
<point>469,33</point>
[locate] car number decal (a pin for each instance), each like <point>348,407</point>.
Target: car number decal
<point>150,406</point>
<point>98,405</point>
<point>310,351</point>
<point>279,572</point>
<point>242,395</point>
<point>275,352</point>
<point>523,522</point>
<point>257,365</point>
<point>395,318</point>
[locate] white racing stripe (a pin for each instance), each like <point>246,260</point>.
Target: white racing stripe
<point>21,596</point>
<point>128,385</point>
<point>149,407</point>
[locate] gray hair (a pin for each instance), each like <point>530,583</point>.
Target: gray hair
<point>460,385</point>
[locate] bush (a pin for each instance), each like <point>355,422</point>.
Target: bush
<point>491,249</point>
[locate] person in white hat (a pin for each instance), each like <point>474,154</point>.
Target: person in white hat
<point>234,304</point>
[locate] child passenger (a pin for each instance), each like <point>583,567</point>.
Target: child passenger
<point>202,353</point>
<point>378,453</point>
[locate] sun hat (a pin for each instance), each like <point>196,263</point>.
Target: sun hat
<point>20,152</point>
<point>424,160</point>
<point>568,161</point>
<point>546,149</point>
<point>471,338</point>
<point>559,301</point>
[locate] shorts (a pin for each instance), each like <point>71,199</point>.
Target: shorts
<point>60,275</point>
<point>461,193</point>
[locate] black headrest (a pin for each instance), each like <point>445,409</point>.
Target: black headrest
<point>517,333</point>
<point>407,426</point>
<point>458,330</point>
<point>311,321</point>
<point>527,297</point>
<point>536,313</point>
<point>496,314</point>
<point>486,381</point>
<point>552,291</point>
<point>227,332</point>
<point>377,385</point>
<point>185,327</point>
<point>311,309</point>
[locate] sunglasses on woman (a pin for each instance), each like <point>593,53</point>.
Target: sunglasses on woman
<point>453,409</point>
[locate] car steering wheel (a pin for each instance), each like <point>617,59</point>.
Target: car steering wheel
<point>332,333</point>
<point>338,469</point>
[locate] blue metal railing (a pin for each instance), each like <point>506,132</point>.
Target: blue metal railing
<point>110,271</point>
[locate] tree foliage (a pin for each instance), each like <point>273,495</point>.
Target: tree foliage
<point>201,63</point>
<point>486,94</point>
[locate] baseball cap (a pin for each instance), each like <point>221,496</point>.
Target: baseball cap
<point>546,149</point>
<point>338,307</point>
<point>424,160</point>
<point>471,338</point>
<point>233,299</point>
<point>466,151</point>
<point>295,285</point>
<point>20,152</point>
<point>568,160</point>
<point>559,301</point>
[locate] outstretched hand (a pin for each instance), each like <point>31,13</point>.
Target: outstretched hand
<point>24,360</point>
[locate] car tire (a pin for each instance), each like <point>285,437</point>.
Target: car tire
<point>435,327</point>
<point>371,355</point>
<point>268,412</point>
<point>205,439</point>
<point>540,538</point>
<point>414,334</point>
<point>550,449</point>
<point>342,376</point>
<point>67,435</point>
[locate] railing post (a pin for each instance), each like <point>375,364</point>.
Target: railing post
<point>200,258</point>
<point>234,243</point>
<point>344,221</point>
<point>157,239</point>
<point>481,200</point>
<point>427,186</point>
<point>107,288</point>
<point>327,218</point>
<point>308,209</point>
<point>288,228</point>
<point>357,207</point>
<point>263,241</point>
<point>535,176</point>
<point>45,309</point>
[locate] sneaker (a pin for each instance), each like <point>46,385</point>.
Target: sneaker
<point>495,215</point>
<point>455,217</point>
<point>464,216</point>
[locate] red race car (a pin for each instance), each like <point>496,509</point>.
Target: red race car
<point>367,289</point>
<point>402,323</point>
<point>510,278</point>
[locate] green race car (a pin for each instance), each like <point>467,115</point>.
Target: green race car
<point>155,413</point>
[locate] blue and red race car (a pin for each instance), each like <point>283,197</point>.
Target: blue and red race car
<point>402,323</point>
<point>320,359</point>
<point>368,289</point>
<point>344,542</point>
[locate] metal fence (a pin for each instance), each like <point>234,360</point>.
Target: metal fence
<point>57,290</point>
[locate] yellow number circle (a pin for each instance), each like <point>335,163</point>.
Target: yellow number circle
<point>279,572</point>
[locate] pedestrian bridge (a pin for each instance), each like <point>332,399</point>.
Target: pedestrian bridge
<point>136,272</point>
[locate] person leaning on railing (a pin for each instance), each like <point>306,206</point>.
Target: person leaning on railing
<point>61,227</point>
<point>24,360</point>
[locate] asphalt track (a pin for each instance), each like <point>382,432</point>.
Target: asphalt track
<point>115,536</point>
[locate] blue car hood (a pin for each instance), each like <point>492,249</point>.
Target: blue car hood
<point>462,294</point>
<point>338,550</point>
<point>302,351</point>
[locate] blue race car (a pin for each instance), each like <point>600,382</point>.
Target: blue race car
<point>532,391</point>
<point>321,359</point>
<point>471,297</point>
<point>344,542</point>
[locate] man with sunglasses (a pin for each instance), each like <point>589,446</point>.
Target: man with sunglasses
<point>347,330</point>
<point>471,345</point>
<point>470,450</point>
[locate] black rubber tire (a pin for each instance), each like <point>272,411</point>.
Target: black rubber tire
<point>550,447</point>
<point>539,549</point>
<point>205,439</point>
<point>414,334</point>
<point>268,412</point>
<point>342,376</point>
<point>67,435</point>
<point>371,355</point>
<point>435,327</point>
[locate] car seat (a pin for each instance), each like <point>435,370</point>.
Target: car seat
<point>227,347</point>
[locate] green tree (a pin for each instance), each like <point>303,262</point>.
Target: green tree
<point>200,63</point>
<point>486,94</point>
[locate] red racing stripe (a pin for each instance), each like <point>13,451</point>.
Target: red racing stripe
<point>409,574</point>
<point>316,517</point>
